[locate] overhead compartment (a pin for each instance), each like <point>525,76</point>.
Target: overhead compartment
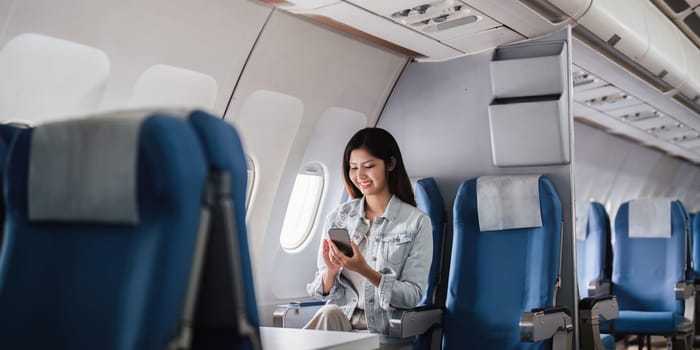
<point>665,57</point>
<point>691,87</point>
<point>573,8</point>
<point>620,23</point>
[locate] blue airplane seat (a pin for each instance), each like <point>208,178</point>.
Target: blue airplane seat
<point>102,221</point>
<point>594,251</point>
<point>594,270</point>
<point>504,267</point>
<point>695,243</point>
<point>649,270</point>
<point>429,199</point>
<point>219,316</point>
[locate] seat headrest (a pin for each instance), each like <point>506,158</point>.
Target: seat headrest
<point>86,170</point>
<point>508,202</point>
<point>582,212</point>
<point>649,218</point>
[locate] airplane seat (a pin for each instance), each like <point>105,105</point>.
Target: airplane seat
<point>222,321</point>
<point>429,199</point>
<point>505,266</point>
<point>594,252</point>
<point>594,269</point>
<point>7,135</point>
<point>102,223</point>
<point>649,271</point>
<point>695,254</point>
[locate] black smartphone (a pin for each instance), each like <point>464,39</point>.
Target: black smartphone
<point>341,238</point>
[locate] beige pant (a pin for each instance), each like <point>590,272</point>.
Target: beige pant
<point>331,318</point>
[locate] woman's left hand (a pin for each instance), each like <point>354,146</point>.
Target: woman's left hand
<point>356,263</point>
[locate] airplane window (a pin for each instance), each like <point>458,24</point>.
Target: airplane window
<point>303,207</point>
<point>164,85</point>
<point>34,70</point>
<point>251,181</point>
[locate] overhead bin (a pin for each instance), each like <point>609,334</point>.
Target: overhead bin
<point>665,57</point>
<point>620,23</point>
<point>574,8</point>
<point>691,87</point>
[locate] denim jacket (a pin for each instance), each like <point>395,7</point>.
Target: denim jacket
<point>400,247</point>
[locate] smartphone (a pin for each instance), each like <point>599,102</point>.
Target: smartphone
<point>341,238</point>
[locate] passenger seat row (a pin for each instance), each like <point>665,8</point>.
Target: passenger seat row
<point>648,269</point>
<point>503,270</point>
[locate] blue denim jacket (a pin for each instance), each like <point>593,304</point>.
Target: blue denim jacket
<point>400,247</point>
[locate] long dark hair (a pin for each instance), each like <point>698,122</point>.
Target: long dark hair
<point>379,143</point>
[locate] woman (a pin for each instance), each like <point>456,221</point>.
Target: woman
<point>391,241</point>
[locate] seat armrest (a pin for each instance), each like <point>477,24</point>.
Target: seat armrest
<point>601,305</point>
<point>295,314</point>
<point>590,311</point>
<point>546,323</point>
<point>598,287</point>
<point>684,290</point>
<point>410,323</point>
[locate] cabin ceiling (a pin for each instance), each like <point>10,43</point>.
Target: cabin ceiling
<point>637,36</point>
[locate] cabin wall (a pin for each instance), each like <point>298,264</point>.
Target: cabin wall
<point>210,37</point>
<point>612,170</point>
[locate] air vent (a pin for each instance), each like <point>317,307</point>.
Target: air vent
<point>441,16</point>
<point>430,15</point>
<point>614,98</point>
<point>582,78</point>
<point>639,116</point>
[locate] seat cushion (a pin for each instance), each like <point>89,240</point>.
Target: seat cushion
<point>642,322</point>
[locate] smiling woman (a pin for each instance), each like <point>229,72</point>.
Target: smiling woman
<point>391,241</point>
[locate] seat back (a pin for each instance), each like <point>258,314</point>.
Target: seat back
<point>650,254</point>
<point>505,259</point>
<point>226,295</point>
<point>102,221</point>
<point>7,136</point>
<point>695,243</point>
<point>594,249</point>
<point>429,200</point>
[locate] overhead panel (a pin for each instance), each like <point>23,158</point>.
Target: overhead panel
<point>622,113</point>
<point>454,23</point>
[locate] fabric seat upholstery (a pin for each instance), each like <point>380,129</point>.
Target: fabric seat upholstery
<point>497,275</point>
<point>84,284</point>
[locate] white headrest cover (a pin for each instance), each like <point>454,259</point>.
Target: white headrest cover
<point>582,209</point>
<point>86,169</point>
<point>649,218</point>
<point>508,202</point>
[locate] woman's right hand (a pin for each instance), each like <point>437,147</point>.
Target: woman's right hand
<point>331,266</point>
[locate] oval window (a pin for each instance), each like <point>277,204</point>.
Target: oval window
<point>303,207</point>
